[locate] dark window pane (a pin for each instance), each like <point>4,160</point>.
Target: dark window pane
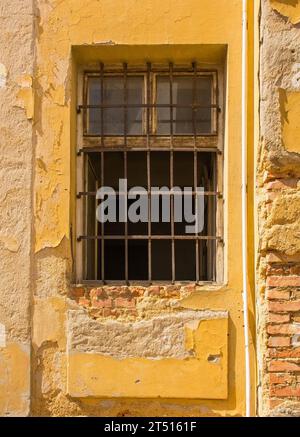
<point>141,227</point>
<point>137,169</point>
<point>206,171</point>
<point>117,227</point>
<point>91,224</point>
<point>113,169</point>
<point>138,260</point>
<point>161,260</point>
<point>207,251</point>
<point>114,253</point>
<point>183,169</point>
<point>185,260</point>
<point>160,169</point>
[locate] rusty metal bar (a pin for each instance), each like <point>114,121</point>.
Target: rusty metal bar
<point>153,237</point>
<point>194,65</point>
<point>125,163</point>
<point>102,169</point>
<point>148,90</point>
<point>172,170</point>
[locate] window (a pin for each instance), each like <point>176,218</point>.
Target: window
<point>155,127</point>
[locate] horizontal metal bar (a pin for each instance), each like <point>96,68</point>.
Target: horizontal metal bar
<point>147,105</point>
<point>146,237</point>
<point>99,149</point>
<point>92,283</point>
<point>161,68</point>
<point>201,135</point>
<point>154,192</point>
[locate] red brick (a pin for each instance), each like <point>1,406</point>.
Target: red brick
<point>280,378</point>
<point>279,341</point>
<point>285,392</point>
<point>154,291</point>
<point>77,292</point>
<point>283,307</point>
<point>279,318</point>
<point>96,293</point>
<point>274,403</point>
<point>124,303</point>
<point>284,329</point>
<point>283,366</point>
<point>278,294</point>
<point>287,353</point>
<point>84,301</point>
<point>283,281</point>
<point>102,303</point>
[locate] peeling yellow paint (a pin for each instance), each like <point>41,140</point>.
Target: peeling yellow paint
<point>49,321</point>
<point>288,8</point>
<point>94,375</point>
<point>14,380</point>
<point>26,96</point>
<point>290,119</point>
<point>71,34</point>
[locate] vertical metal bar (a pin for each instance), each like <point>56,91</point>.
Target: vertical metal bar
<point>172,171</point>
<point>194,65</point>
<point>85,100</point>
<point>125,162</point>
<point>148,90</point>
<point>102,167</point>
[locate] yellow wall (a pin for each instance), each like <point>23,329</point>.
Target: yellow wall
<point>64,29</point>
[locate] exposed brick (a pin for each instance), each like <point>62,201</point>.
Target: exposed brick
<point>283,281</point>
<point>101,303</point>
<point>274,294</point>
<point>77,292</point>
<point>284,329</point>
<point>279,378</point>
<point>274,403</point>
<point>154,291</point>
<point>285,392</point>
<point>283,366</point>
<point>96,293</point>
<point>286,353</point>
<point>279,341</point>
<point>283,307</point>
<point>279,318</point>
<point>124,303</point>
<point>84,301</point>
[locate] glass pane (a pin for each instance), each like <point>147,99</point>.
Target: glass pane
<point>94,114</point>
<point>114,94</point>
<point>183,95</point>
<point>135,95</point>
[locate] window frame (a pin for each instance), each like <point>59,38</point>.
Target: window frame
<point>213,141</point>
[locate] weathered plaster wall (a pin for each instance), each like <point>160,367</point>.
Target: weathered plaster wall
<point>279,209</point>
<point>16,145</point>
<point>61,26</point>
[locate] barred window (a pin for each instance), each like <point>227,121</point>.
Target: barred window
<point>155,127</point>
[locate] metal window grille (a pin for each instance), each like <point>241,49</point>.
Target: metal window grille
<point>149,140</point>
